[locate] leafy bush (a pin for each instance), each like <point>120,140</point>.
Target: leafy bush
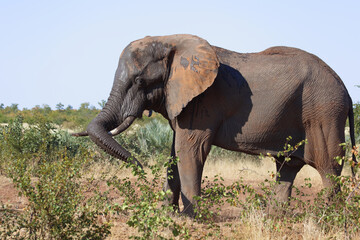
<point>41,137</point>
<point>47,171</point>
<point>145,208</point>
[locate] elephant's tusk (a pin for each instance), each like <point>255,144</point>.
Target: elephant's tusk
<point>123,126</point>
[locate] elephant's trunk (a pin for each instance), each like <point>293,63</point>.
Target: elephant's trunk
<point>101,137</point>
<point>118,114</point>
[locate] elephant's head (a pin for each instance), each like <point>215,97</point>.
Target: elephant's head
<point>155,73</point>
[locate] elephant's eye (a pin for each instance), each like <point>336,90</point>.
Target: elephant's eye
<point>139,80</point>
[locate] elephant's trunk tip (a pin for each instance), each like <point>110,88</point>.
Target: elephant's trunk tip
<point>80,134</point>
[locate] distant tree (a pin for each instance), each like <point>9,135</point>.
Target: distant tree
<point>60,106</point>
<point>46,108</point>
<point>69,107</point>
<point>2,106</point>
<point>102,103</point>
<point>14,107</point>
<point>84,106</point>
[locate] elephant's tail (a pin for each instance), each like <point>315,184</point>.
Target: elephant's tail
<point>352,137</point>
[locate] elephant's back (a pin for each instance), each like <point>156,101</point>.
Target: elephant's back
<point>288,71</point>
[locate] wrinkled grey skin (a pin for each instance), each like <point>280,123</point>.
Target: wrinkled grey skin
<point>241,102</point>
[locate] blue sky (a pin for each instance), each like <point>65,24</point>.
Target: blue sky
<point>67,51</point>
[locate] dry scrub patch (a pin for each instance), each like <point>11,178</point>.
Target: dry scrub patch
<point>227,225</point>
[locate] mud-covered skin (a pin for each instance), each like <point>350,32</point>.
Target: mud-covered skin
<point>242,102</point>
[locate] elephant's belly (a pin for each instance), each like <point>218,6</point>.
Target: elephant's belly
<point>257,138</point>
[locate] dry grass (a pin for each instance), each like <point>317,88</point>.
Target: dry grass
<point>254,172</point>
<point>241,168</point>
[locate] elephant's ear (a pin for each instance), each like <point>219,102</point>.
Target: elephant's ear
<point>194,68</point>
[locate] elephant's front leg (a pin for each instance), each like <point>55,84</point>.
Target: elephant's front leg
<point>173,180</point>
<point>192,147</point>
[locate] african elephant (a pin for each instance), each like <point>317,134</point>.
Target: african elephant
<point>242,102</point>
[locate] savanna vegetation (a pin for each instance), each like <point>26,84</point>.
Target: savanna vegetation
<point>70,189</point>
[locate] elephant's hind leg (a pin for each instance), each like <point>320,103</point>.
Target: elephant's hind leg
<point>286,173</point>
<point>324,147</point>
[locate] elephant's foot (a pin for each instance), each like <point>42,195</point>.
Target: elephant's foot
<point>189,207</point>
<point>332,187</point>
<point>175,206</point>
<point>173,199</point>
<point>279,202</point>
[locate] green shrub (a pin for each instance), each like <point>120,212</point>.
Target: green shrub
<point>46,169</point>
<point>144,205</point>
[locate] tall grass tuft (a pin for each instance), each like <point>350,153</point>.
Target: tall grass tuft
<point>155,138</point>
